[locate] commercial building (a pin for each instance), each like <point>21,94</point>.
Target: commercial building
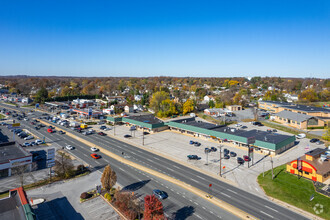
<point>234,107</point>
<point>87,113</point>
<point>314,165</point>
<point>148,122</point>
<point>264,142</point>
<point>16,206</point>
<point>12,156</point>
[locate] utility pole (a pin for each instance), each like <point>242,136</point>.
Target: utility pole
<point>114,133</point>
<point>271,160</point>
<point>220,159</point>
<point>143,136</point>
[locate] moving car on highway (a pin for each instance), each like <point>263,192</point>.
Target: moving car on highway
<point>159,194</point>
<point>95,156</point>
<point>94,149</point>
<point>69,147</point>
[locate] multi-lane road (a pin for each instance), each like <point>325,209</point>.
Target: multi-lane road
<point>250,203</point>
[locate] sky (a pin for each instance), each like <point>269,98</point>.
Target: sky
<point>206,38</point>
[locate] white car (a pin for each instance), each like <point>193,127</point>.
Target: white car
<point>69,147</point>
<point>107,129</point>
<point>94,149</point>
<point>29,137</point>
<point>238,125</point>
<point>38,141</point>
<point>300,136</point>
<point>26,144</point>
<point>26,119</point>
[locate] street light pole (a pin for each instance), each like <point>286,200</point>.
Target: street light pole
<point>143,136</point>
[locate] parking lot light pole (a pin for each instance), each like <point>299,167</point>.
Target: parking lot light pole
<point>220,159</point>
<point>143,136</point>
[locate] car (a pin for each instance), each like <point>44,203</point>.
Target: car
<point>159,194</point>
<point>37,128</point>
<point>68,147</point>
<point>207,150</point>
<point>300,136</point>
<point>246,158</point>
<point>107,129</point>
<point>314,140</point>
<point>225,151</point>
<point>49,130</point>
<point>30,137</point>
<point>33,143</point>
<point>192,157</point>
<point>61,132</point>
<point>94,149</point>
<point>256,123</point>
<point>232,154</point>
<point>319,142</point>
<point>127,136</point>
<point>38,141</point>
<point>269,130</point>
<point>101,133</point>
<point>95,156</point>
<point>274,130</point>
<point>26,144</point>
<point>191,142</point>
<point>240,160</point>
<point>214,149</point>
<point>238,125</point>
<point>32,123</point>
<point>23,136</point>
<point>146,133</point>
<point>26,119</point>
<point>103,127</point>
<point>226,156</point>
<point>197,144</point>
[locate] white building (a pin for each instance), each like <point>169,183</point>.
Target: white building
<point>208,98</point>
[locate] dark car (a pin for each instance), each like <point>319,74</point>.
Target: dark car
<point>159,194</point>
<point>37,128</point>
<point>246,158</point>
<point>191,142</point>
<point>214,149</point>
<point>225,151</point>
<point>61,132</point>
<point>314,140</point>
<point>226,156</point>
<point>233,154</point>
<point>240,160</point>
<point>192,157</point>
<point>197,144</point>
<point>207,150</point>
<point>103,127</point>
<point>101,133</point>
<point>145,133</point>
<point>127,136</point>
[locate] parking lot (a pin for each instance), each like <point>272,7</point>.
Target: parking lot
<point>177,146</point>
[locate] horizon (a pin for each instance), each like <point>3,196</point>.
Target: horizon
<point>172,39</point>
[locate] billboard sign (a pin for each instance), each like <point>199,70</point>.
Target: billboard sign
<point>51,157</point>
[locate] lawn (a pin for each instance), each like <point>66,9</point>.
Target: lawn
<point>288,188</point>
<point>2,116</point>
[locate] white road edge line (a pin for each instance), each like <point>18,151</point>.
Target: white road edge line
<point>266,214</point>
<point>271,208</point>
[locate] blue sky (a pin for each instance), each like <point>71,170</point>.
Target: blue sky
<point>168,38</point>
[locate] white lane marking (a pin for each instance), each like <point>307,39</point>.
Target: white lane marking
<point>197,216</point>
<point>183,196</point>
<point>225,194</point>
<point>271,208</point>
<point>204,208</point>
<point>149,160</point>
<point>176,167</point>
<point>156,158</point>
<point>196,203</point>
<point>121,169</point>
<point>133,153</point>
<point>232,191</point>
<point>266,214</point>
<point>200,177</point>
<point>195,180</point>
<point>170,169</point>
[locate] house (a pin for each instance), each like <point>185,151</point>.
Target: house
<point>314,165</point>
<point>137,97</point>
<point>208,98</point>
<point>26,100</point>
<point>129,109</point>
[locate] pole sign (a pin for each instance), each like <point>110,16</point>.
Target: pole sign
<point>51,157</point>
<point>251,140</point>
<point>90,112</point>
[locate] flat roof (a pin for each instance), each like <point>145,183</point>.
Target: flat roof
<point>10,151</point>
<point>315,152</point>
<point>294,116</point>
<point>197,123</point>
<point>264,136</point>
<point>149,119</point>
<point>11,207</point>
<point>297,107</point>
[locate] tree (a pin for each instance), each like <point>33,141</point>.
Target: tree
<point>326,135</point>
<point>188,106</point>
<point>153,208</point>
<point>63,165</point>
<point>109,178</point>
<point>167,108</point>
<point>42,95</point>
<point>308,95</point>
<point>21,171</point>
<point>157,99</point>
<point>211,104</point>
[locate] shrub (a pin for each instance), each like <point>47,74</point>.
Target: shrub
<point>108,197</point>
<point>85,195</point>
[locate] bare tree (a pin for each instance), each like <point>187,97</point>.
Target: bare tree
<point>21,171</point>
<point>63,165</point>
<point>255,113</point>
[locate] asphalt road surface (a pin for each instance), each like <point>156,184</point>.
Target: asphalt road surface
<point>252,204</point>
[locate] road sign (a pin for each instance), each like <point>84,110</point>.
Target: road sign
<point>51,153</point>
<point>50,164</point>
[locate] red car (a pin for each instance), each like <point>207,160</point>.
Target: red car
<point>95,156</point>
<point>246,158</point>
<point>50,130</point>
<point>101,133</point>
